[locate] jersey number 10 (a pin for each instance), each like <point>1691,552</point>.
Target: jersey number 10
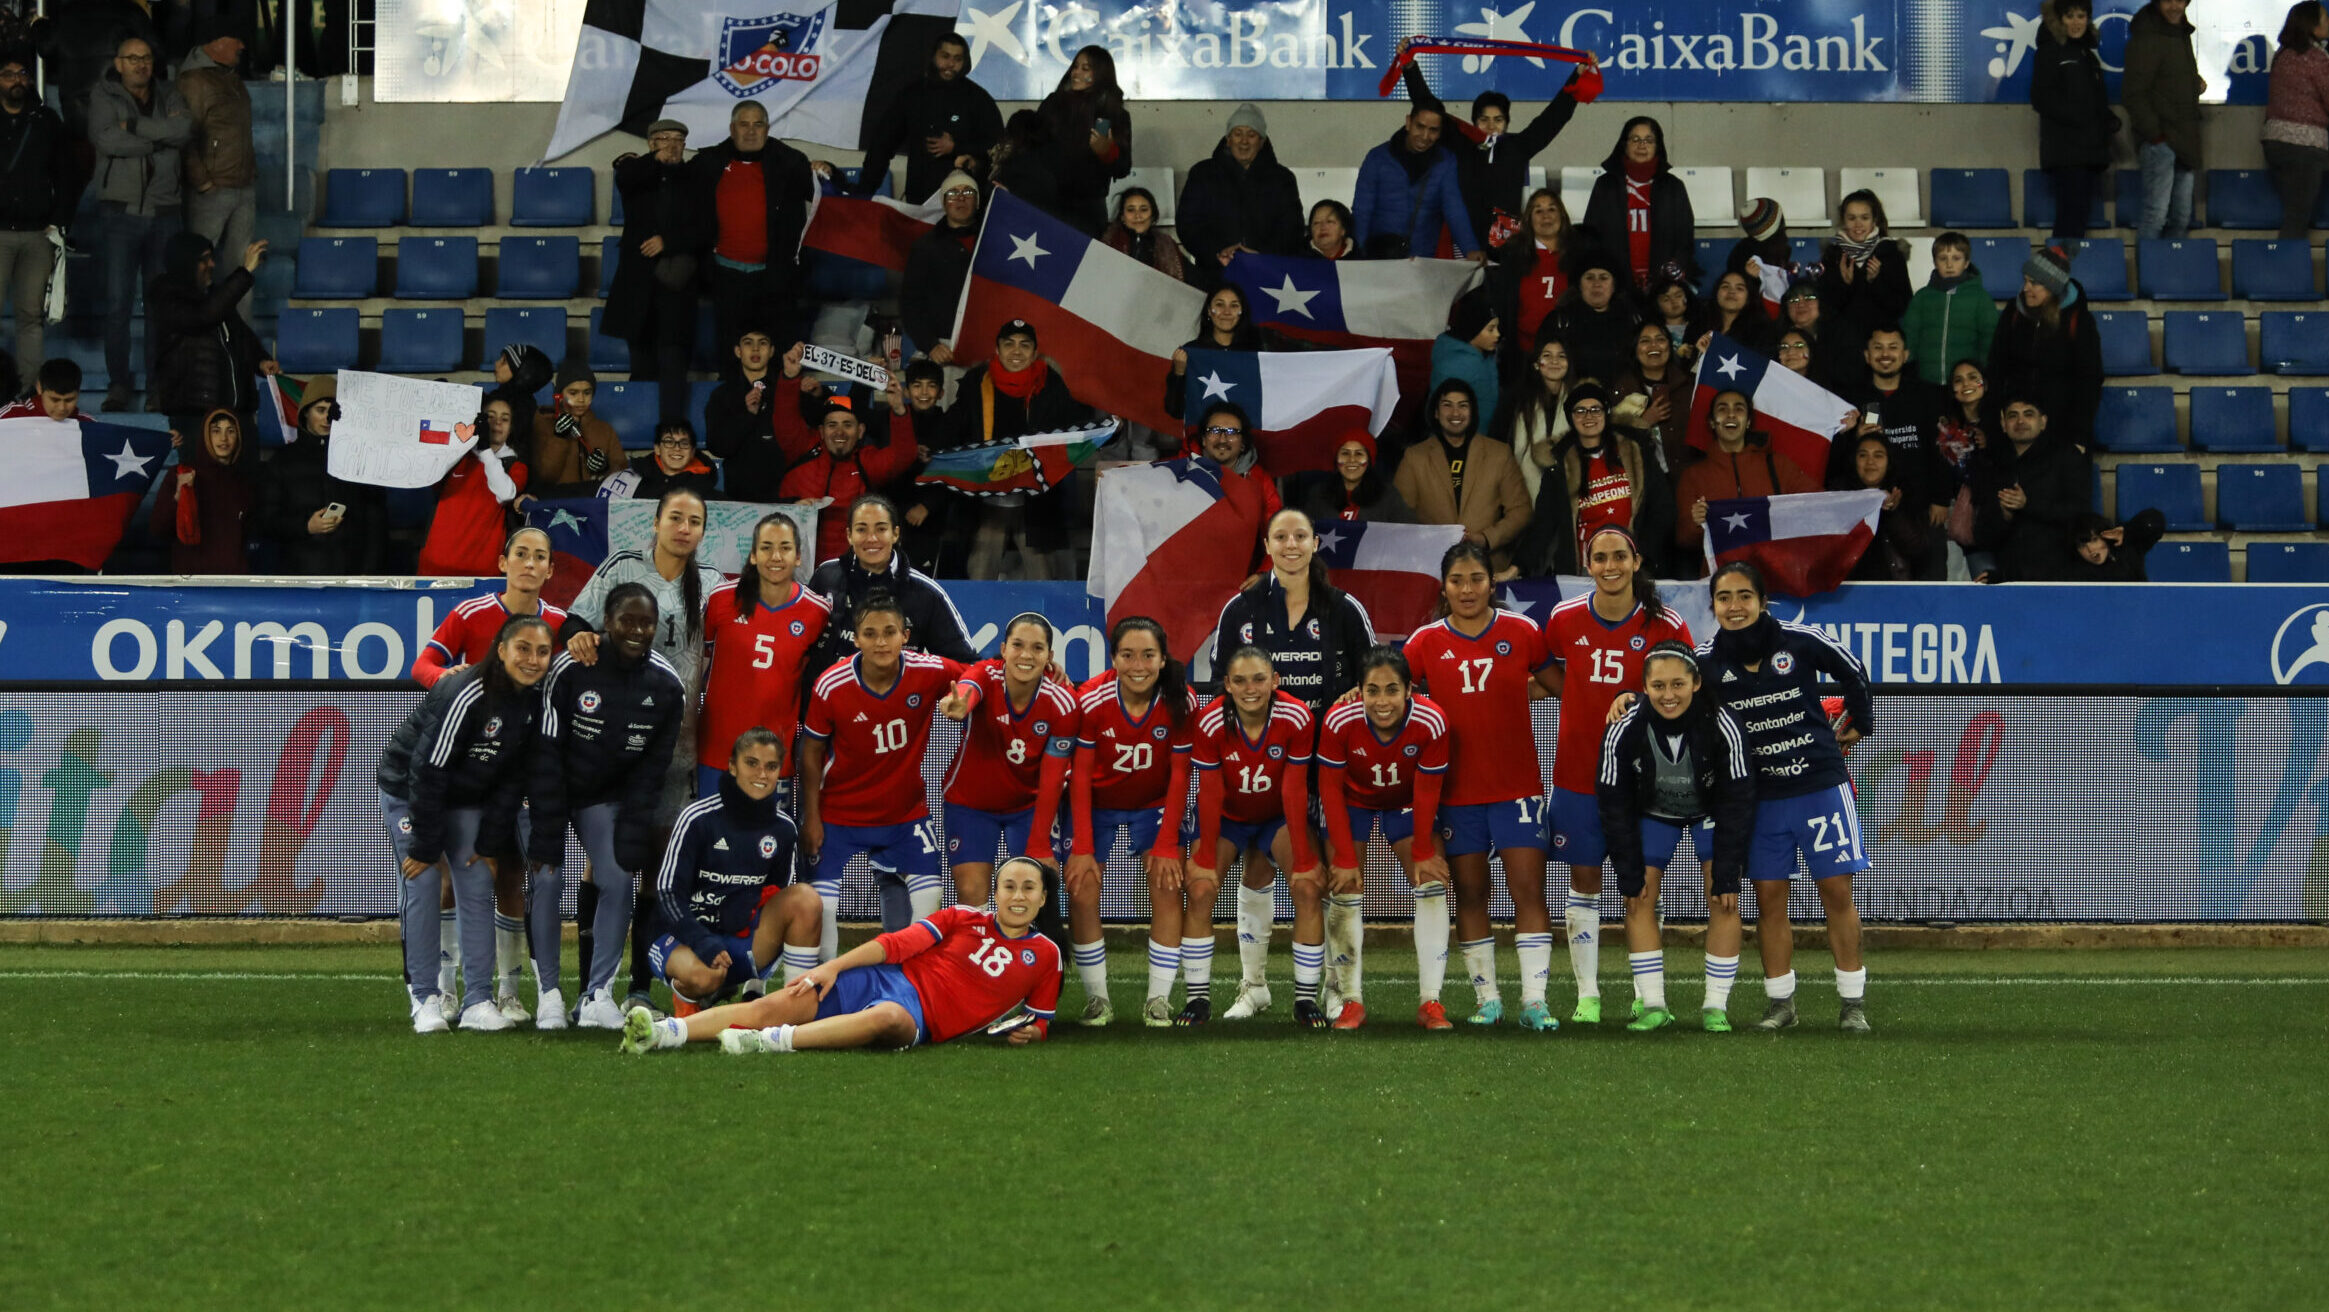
<point>890,737</point>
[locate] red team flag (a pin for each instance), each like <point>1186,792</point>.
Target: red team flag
<point>875,229</point>
<point>1172,541</point>
<point>1798,415</point>
<point>72,484</point>
<point>1392,570</point>
<point>1400,305</point>
<point>1804,544</point>
<point>1302,403</point>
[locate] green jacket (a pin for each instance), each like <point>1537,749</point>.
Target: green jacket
<point>1946,324</point>
<point>2161,88</point>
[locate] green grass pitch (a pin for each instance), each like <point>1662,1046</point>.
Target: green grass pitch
<point>245,1128</point>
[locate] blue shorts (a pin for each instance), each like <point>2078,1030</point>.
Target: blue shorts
<point>972,835</point>
<point>1493,826</point>
<point>1139,828</point>
<point>1397,826</point>
<point>904,850</point>
<point>1577,839</point>
<point>1241,836</point>
<point>862,988</point>
<point>740,964</point>
<point>1824,827</point>
<point>1661,839</point>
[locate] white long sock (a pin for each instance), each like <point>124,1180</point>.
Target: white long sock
<point>1256,909</point>
<point>671,1032</point>
<point>1197,966</point>
<point>1480,963</point>
<point>1092,967</point>
<point>1584,923</point>
<point>1852,985</point>
<point>1536,964</point>
<point>796,961</point>
<point>509,954</point>
<point>1309,965</point>
<point>1777,987</point>
<point>1650,978</point>
<point>781,1036</point>
<point>1164,962</point>
<point>1721,973</point>
<point>829,937</point>
<point>925,896</point>
<point>1345,932</point>
<point>448,955</point>
<point>1431,940</point>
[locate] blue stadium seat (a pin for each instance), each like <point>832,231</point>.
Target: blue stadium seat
<point>318,341</point>
<point>551,198</point>
<point>2288,562</point>
<point>712,353</point>
<point>2038,203</point>
<point>2178,269</point>
<point>2309,418</point>
<point>607,354</point>
<point>1972,198</point>
<point>2000,260</point>
<point>541,326</point>
<point>2126,338</point>
<point>362,198</point>
<point>2101,268</point>
<point>631,408</point>
<point>1805,249</point>
<point>337,268</point>
<point>2261,499</point>
<point>2233,419</point>
<point>2094,488</point>
<point>539,268</point>
<point>436,268</point>
<point>699,396</point>
<point>2272,270</point>
<point>2321,210</point>
<point>616,218</point>
<point>2242,198</point>
<point>2204,342</point>
<point>420,341</point>
<point>452,198</point>
<point>610,252</point>
<point>2136,419</point>
<point>2172,490</point>
<point>2293,342</point>
<point>2189,562</point>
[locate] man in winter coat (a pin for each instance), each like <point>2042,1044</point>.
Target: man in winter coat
<point>1492,156</point>
<point>942,123</point>
<point>38,190</point>
<point>2027,491</point>
<point>2161,92</point>
<point>139,125</point>
<point>1241,199</point>
<point>754,191</point>
<point>652,302</point>
<point>222,168</point>
<point>938,269</point>
<point>1455,476</point>
<point>321,525</point>
<point>206,356</point>
<point>1407,194</point>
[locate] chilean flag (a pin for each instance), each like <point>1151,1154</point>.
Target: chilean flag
<point>1110,322</point>
<point>1172,541</point>
<point>1798,415</point>
<point>875,229</point>
<point>1391,569</point>
<point>578,542</point>
<point>1804,544</point>
<point>1398,304</point>
<point>1302,403</point>
<point>72,484</point>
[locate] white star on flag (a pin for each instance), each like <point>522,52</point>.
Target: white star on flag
<point>1736,520</point>
<point>128,463</point>
<point>1215,385</point>
<point>1329,542</point>
<point>1511,601</point>
<point>994,29</point>
<point>1730,367</point>
<point>565,519</point>
<point>1291,299</point>
<point>1024,248</point>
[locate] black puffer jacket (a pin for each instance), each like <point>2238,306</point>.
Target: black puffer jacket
<point>1627,787</point>
<point>2075,122</point>
<point>1335,627</point>
<point>36,173</point>
<point>608,731</point>
<point>208,356</point>
<point>1223,204</point>
<point>462,747</point>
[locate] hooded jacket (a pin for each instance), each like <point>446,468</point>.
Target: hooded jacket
<point>138,147</point>
<point>223,501</point>
<point>2060,368</point>
<point>1404,200</point>
<point>607,735</point>
<point>1951,319</point>
<point>2075,122</point>
<point>208,356</point>
<point>2160,88</point>
<point>297,483</point>
<point>724,851</point>
<point>931,106</point>
<point>1225,203</point>
<point>1494,501</point>
<point>219,151</point>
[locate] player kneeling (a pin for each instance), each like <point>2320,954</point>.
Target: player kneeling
<point>724,915</point>
<point>955,971</point>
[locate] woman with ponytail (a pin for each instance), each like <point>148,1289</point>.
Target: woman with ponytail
<point>762,629</point>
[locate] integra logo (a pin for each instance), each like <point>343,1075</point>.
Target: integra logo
<point>778,48</point>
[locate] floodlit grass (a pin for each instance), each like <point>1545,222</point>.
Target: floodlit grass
<point>259,1128</point>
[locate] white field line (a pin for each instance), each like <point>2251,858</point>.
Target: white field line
<point>1675,980</point>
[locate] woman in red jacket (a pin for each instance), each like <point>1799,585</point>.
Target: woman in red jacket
<point>475,500</point>
<point>832,460</point>
<point>204,506</point>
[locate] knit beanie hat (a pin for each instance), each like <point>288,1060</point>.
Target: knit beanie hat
<point>575,370</point>
<point>1470,314</point>
<point>1762,218</point>
<point>1248,115</point>
<point>2050,269</point>
<point>957,178</point>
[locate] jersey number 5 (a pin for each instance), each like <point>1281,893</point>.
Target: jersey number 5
<point>993,958</point>
<point>763,651</point>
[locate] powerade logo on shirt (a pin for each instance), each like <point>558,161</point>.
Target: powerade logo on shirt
<point>587,702</point>
<point>1783,662</point>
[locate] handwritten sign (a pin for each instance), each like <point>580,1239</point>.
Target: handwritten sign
<point>401,432</point>
<point>845,366</point>
<point>727,543</point>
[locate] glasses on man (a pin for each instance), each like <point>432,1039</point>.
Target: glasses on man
<point>681,443</point>
<point>14,75</point>
<point>1224,432</point>
<point>134,59</point>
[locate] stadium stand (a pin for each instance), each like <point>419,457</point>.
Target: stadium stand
<point>2172,490</point>
<point>338,268</point>
<point>2293,342</point>
<point>2203,342</point>
<point>363,198</point>
<point>2178,269</point>
<point>2136,419</point>
<point>2190,562</point>
<point>2273,270</point>
<point>452,198</point>
<point>2309,418</point>
<point>539,268</point>
<point>1972,198</point>
<point>2261,499</point>
<point>2038,203</point>
<point>607,354</point>
<point>2288,562</point>
<point>2126,338</point>
<point>2242,198</point>
<point>2101,268</point>
<point>317,341</point>
<point>2233,419</point>
<point>436,268</point>
<point>1802,193</point>
<point>552,198</point>
<point>420,341</point>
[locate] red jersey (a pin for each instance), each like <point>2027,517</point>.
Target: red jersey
<point>466,636</point>
<point>1004,755</point>
<point>1360,767</point>
<point>471,521</point>
<point>1480,683</point>
<point>1603,660</point>
<point>1255,772</point>
<point>1540,292</point>
<point>757,664</point>
<point>874,743</point>
<point>968,972</point>
<point>1128,764</point>
<point>1606,498</point>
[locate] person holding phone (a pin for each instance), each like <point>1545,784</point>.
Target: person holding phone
<point>320,524</point>
<point>1091,137</point>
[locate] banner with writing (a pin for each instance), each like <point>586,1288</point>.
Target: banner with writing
<point>401,432</point>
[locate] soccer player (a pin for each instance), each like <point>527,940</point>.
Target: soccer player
<point>609,730</point>
<point>867,727</point>
<point>946,975</point>
<point>464,638</point>
<point>1480,666</point>
<point>450,783</point>
<point>1003,790</point>
<point>761,628</point>
<point>1805,803</point>
<point>1252,755</point>
<point>1381,763</point>
<point>1676,763</point>
<point>1598,640</point>
<point>724,917</point>
<point>1131,777</point>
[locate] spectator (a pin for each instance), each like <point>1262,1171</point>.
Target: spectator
<point>1967,425</point>
<point>1134,232</point>
<point>2027,491</point>
<point>1903,549</point>
<point>2161,92</point>
<point>1330,232</point>
<point>519,372</point>
<point>1530,275</point>
<point>1905,412</point>
<point>203,509</point>
<point>1535,419</point>
<point>1241,199</point>
<point>2296,120</point>
<point>222,164</point>
<point>2103,552</point>
<point>1793,351</point>
<point>652,302</point>
<point>1738,463</point>
<point>79,44</point>
<point>1737,312</point>
<point>2047,348</point>
<point>942,123</point>
<point>1597,322</point>
<point>1492,159</point>
<point>834,460</point>
<point>206,356</point>
<point>1863,274</point>
<point>677,464</point>
<point>1600,478</point>
<point>139,126</point>
<point>322,526</point>
<point>1832,364</point>
<point>1640,212</point>
<point>755,192</point>
<point>573,448</point>
<point>1225,326</point>
<point>1685,319</point>
<point>1091,137</point>
<point>1355,489</point>
<point>1024,163</point>
<point>1014,393</point>
<point>1953,317</point>
<point>38,191</point>
<point>1454,476</point>
<point>56,393</point>
<point>2075,122</point>
<point>740,421</point>
<point>1467,350</point>
<point>1221,445</point>
<point>937,270</point>
<point>1407,195</point>
<point>937,519</point>
<point>1653,400</point>
<point>477,499</point>
<point>1765,242</point>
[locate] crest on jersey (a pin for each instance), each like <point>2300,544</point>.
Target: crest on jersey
<point>767,846</point>
<point>1637,642</point>
<point>799,628</point>
<point>587,702</point>
<point>1042,729</point>
<point>1504,649</point>
<point>913,699</point>
<point>1276,752</point>
<point>1411,749</point>
<point>1245,631</point>
<point>1783,662</point>
<point>1157,733</point>
<point>1026,956</point>
<point>493,726</point>
<point>1313,626</point>
<point>404,824</point>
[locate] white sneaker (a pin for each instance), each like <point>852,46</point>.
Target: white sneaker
<point>599,1012</point>
<point>427,1017</point>
<point>1252,1001</point>
<point>739,1042</point>
<point>485,1017</point>
<point>514,1010</point>
<point>549,1010</point>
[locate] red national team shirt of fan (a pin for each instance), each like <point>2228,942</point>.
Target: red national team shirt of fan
<point>1000,766</point>
<point>1253,770</point>
<point>758,662</point>
<point>466,636</point>
<point>874,744</point>
<point>1132,760</point>
<point>1607,496</point>
<point>1603,660</point>
<point>1480,683</point>
<point>1540,292</point>
<point>968,972</point>
<point>1379,773</point>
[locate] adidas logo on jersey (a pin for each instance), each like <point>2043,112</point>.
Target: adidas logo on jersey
<point>1582,641</point>
<point>1730,676</point>
<point>860,718</point>
<point>720,846</point>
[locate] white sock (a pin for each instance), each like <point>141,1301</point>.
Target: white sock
<point>796,961</point>
<point>1092,967</point>
<point>509,953</point>
<point>1852,985</point>
<point>1650,978</point>
<point>1345,932</point>
<point>1431,940</point>
<point>781,1036</point>
<point>925,898</point>
<point>1480,963</point>
<point>1257,909</point>
<point>1721,973</point>
<point>829,936</point>
<point>1197,966</point>
<point>1309,964</point>
<point>671,1032</point>
<point>1536,964</point>
<point>1779,987</point>
<point>1584,923</point>
<point>448,954</point>
<point>1164,962</point>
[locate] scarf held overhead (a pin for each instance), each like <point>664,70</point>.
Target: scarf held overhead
<point>1584,90</point>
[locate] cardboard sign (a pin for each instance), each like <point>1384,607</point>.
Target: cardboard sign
<point>401,432</point>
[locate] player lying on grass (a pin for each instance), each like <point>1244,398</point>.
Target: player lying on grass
<point>958,970</point>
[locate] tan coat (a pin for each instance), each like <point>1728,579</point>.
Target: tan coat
<point>220,152</point>
<point>1495,503</point>
<point>558,460</point>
